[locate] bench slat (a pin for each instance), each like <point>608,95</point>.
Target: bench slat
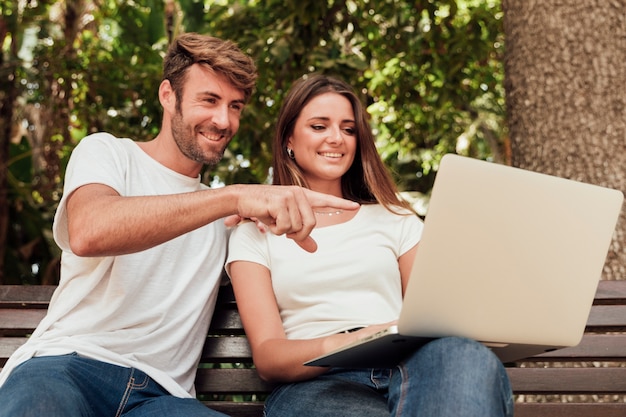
<point>611,292</point>
<point>570,410</point>
<point>25,296</point>
<point>8,345</point>
<point>235,381</point>
<point>606,317</point>
<point>521,409</point>
<point>20,321</point>
<point>227,349</point>
<point>226,321</point>
<point>524,381</point>
<point>247,409</point>
<point>237,350</point>
<point>608,292</point>
<point>568,380</point>
<point>239,409</point>
<point>601,347</point>
<point>602,317</point>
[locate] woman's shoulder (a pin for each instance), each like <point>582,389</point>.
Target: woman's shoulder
<point>248,233</point>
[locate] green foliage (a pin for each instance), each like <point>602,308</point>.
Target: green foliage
<point>32,259</point>
<point>430,72</point>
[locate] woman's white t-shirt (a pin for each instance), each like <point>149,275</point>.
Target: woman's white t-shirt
<point>352,280</point>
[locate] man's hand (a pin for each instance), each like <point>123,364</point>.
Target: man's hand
<point>286,210</point>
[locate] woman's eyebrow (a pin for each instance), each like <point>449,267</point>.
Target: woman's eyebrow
<point>325,118</point>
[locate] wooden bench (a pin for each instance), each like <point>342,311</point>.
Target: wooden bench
<point>591,376</point>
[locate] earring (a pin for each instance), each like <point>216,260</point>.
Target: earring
<point>290,153</point>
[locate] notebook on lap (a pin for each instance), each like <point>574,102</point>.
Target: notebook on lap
<point>508,257</point>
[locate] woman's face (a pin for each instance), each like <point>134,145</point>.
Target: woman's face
<point>324,141</point>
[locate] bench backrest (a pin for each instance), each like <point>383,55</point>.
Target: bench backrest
<point>227,381</point>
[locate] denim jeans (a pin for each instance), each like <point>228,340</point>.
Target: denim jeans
<point>74,386</point>
<point>447,377</point>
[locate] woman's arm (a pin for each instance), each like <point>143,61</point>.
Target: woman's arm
<point>277,358</point>
<point>405,263</point>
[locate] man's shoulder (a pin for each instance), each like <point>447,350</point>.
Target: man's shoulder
<point>102,143</point>
<point>103,138</point>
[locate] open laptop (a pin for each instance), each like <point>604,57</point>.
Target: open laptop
<point>508,257</point>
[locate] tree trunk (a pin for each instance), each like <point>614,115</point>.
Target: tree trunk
<point>566,96</point>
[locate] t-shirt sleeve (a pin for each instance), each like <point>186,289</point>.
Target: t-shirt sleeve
<point>247,243</point>
<point>95,160</point>
<point>412,227</point>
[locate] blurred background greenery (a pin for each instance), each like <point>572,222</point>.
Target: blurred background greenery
<point>430,72</point>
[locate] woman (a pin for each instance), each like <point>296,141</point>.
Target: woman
<point>297,305</point>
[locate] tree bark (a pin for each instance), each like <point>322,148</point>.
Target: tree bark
<point>565,78</point>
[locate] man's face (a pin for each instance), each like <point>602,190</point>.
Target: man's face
<point>207,117</point>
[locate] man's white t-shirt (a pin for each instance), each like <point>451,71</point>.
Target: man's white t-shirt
<point>148,310</point>
<point>352,280</point>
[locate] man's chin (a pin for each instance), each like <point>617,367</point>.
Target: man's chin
<point>210,160</point>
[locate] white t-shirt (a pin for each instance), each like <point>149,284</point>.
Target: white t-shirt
<point>149,310</point>
<point>352,280</point>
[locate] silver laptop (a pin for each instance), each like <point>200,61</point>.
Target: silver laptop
<point>508,257</point>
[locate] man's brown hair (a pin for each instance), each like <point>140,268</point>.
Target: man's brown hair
<point>223,57</point>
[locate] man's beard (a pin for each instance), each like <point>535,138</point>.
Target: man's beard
<point>186,141</point>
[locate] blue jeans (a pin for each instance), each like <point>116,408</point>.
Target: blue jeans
<point>74,386</point>
<point>447,377</point>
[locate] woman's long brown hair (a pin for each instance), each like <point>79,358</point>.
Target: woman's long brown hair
<point>368,180</point>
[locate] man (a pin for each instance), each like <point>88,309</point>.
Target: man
<point>143,250</point>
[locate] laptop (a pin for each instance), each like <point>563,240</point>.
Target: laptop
<point>508,257</point>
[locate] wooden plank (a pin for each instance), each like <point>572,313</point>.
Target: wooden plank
<point>23,320</point>
<point>611,292</point>
<point>570,409</point>
<point>226,321</point>
<point>8,345</point>
<point>25,296</point>
<point>222,349</point>
<point>230,381</point>
<point>601,317</point>
<point>248,409</point>
<point>601,347</point>
<point>238,409</point>
<point>568,380</point>
<point>607,317</point>
<point>608,292</point>
<point>237,350</point>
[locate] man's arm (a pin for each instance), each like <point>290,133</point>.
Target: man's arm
<point>103,223</point>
